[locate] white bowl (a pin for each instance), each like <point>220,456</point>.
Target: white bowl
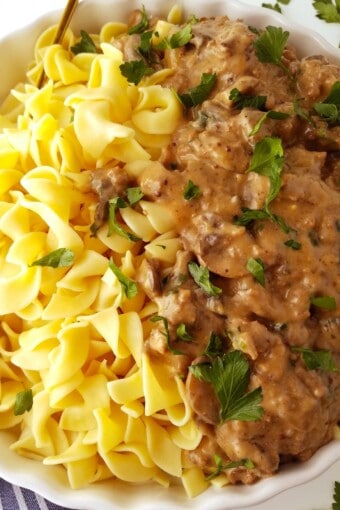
<point>50,481</point>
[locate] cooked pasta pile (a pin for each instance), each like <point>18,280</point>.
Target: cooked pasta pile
<point>101,407</point>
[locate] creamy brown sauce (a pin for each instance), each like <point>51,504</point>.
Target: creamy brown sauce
<point>212,148</point>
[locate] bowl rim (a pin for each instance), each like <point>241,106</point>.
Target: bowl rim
<point>19,470</point>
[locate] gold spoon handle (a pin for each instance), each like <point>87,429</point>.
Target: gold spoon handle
<point>62,27</point>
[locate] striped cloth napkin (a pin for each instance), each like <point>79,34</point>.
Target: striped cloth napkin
<point>13,497</point>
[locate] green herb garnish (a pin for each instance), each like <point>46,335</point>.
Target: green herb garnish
<point>327,10</point>
<point>181,332</point>
<point>135,70</point>
<point>114,205</point>
<point>302,113</point>
<point>85,45</point>
<point>269,47</point>
<point>201,275</point>
<point>134,195</point>
<point>191,191</point>
<point>142,25</point>
<point>157,318</point>
<point>241,100</point>
<point>275,7</point>
<point>129,286</point>
<point>336,496</point>
<point>62,257</point>
<point>326,302</point>
<point>23,402</point>
<point>317,360</point>
<point>268,160</point>
<point>250,215</point>
<point>197,95</point>
<point>220,466</point>
<point>180,38</point>
<point>214,347</point>
<point>271,114</point>
<point>229,376</point>
<point>255,266</point>
<point>329,109</point>
<point>294,245</point>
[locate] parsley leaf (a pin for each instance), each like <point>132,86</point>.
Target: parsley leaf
<point>229,376</point>
<point>326,302</point>
<point>327,10</point>
<point>129,286</point>
<point>255,266</point>
<point>269,47</point>
<point>336,496</point>
<point>302,113</point>
<point>142,25</point>
<point>317,360</point>
<point>201,276</point>
<point>329,109</point>
<point>214,347</point>
<point>114,205</point>
<point>134,195</point>
<point>180,38</point>
<point>166,333</point>
<point>267,160</point>
<point>294,245</point>
<point>85,45</point>
<point>250,215</point>
<point>23,402</point>
<point>191,191</point>
<point>241,100</point>
<point>197,95</point>
<point>271,114</point>
<point>229,465</point>
<point>181,332</point>
<point>62,257</point>
<point>145,44</point>
<point>135,70</point>
<point>276,7</point>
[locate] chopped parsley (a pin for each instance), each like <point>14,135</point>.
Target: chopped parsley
<point>255,266</point>
<point>135,70</point>
<point>114,205</point>
<point>267,160</point>
<point>85,45</point>
<point>269,47</point>
<point>241,100</point>
<point>165,332</point>
<point>129,286</point>
<point>23,402</point>
<point>181,332</point>
<point>214,347</point>
<point>326,302</point>
<point>62,257</point>
<point>294,245</point>
<point>329,109</point>
<point>275,7</point>
<point>336,496</point>
<point>180,38</point>
<point>142,25</point>
<point>201,275</point>
<point>145,44</point>
<point>134,195</point>
<point>229,465</point>
<point>197,95</point>
<point>271,114</point>
<point>301,112</point>
<point>191,191</point>
<point>328,10</point>
<point>317,360</point>
<point>229,375</point>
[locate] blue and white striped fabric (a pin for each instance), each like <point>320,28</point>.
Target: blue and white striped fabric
<point>15,498</point>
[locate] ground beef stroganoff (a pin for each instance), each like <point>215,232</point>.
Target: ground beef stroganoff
<point>275,320</point>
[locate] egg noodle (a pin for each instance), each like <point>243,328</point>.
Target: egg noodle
<point>102,407</point>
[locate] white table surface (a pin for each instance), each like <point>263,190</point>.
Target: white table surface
<point>317,494</point>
